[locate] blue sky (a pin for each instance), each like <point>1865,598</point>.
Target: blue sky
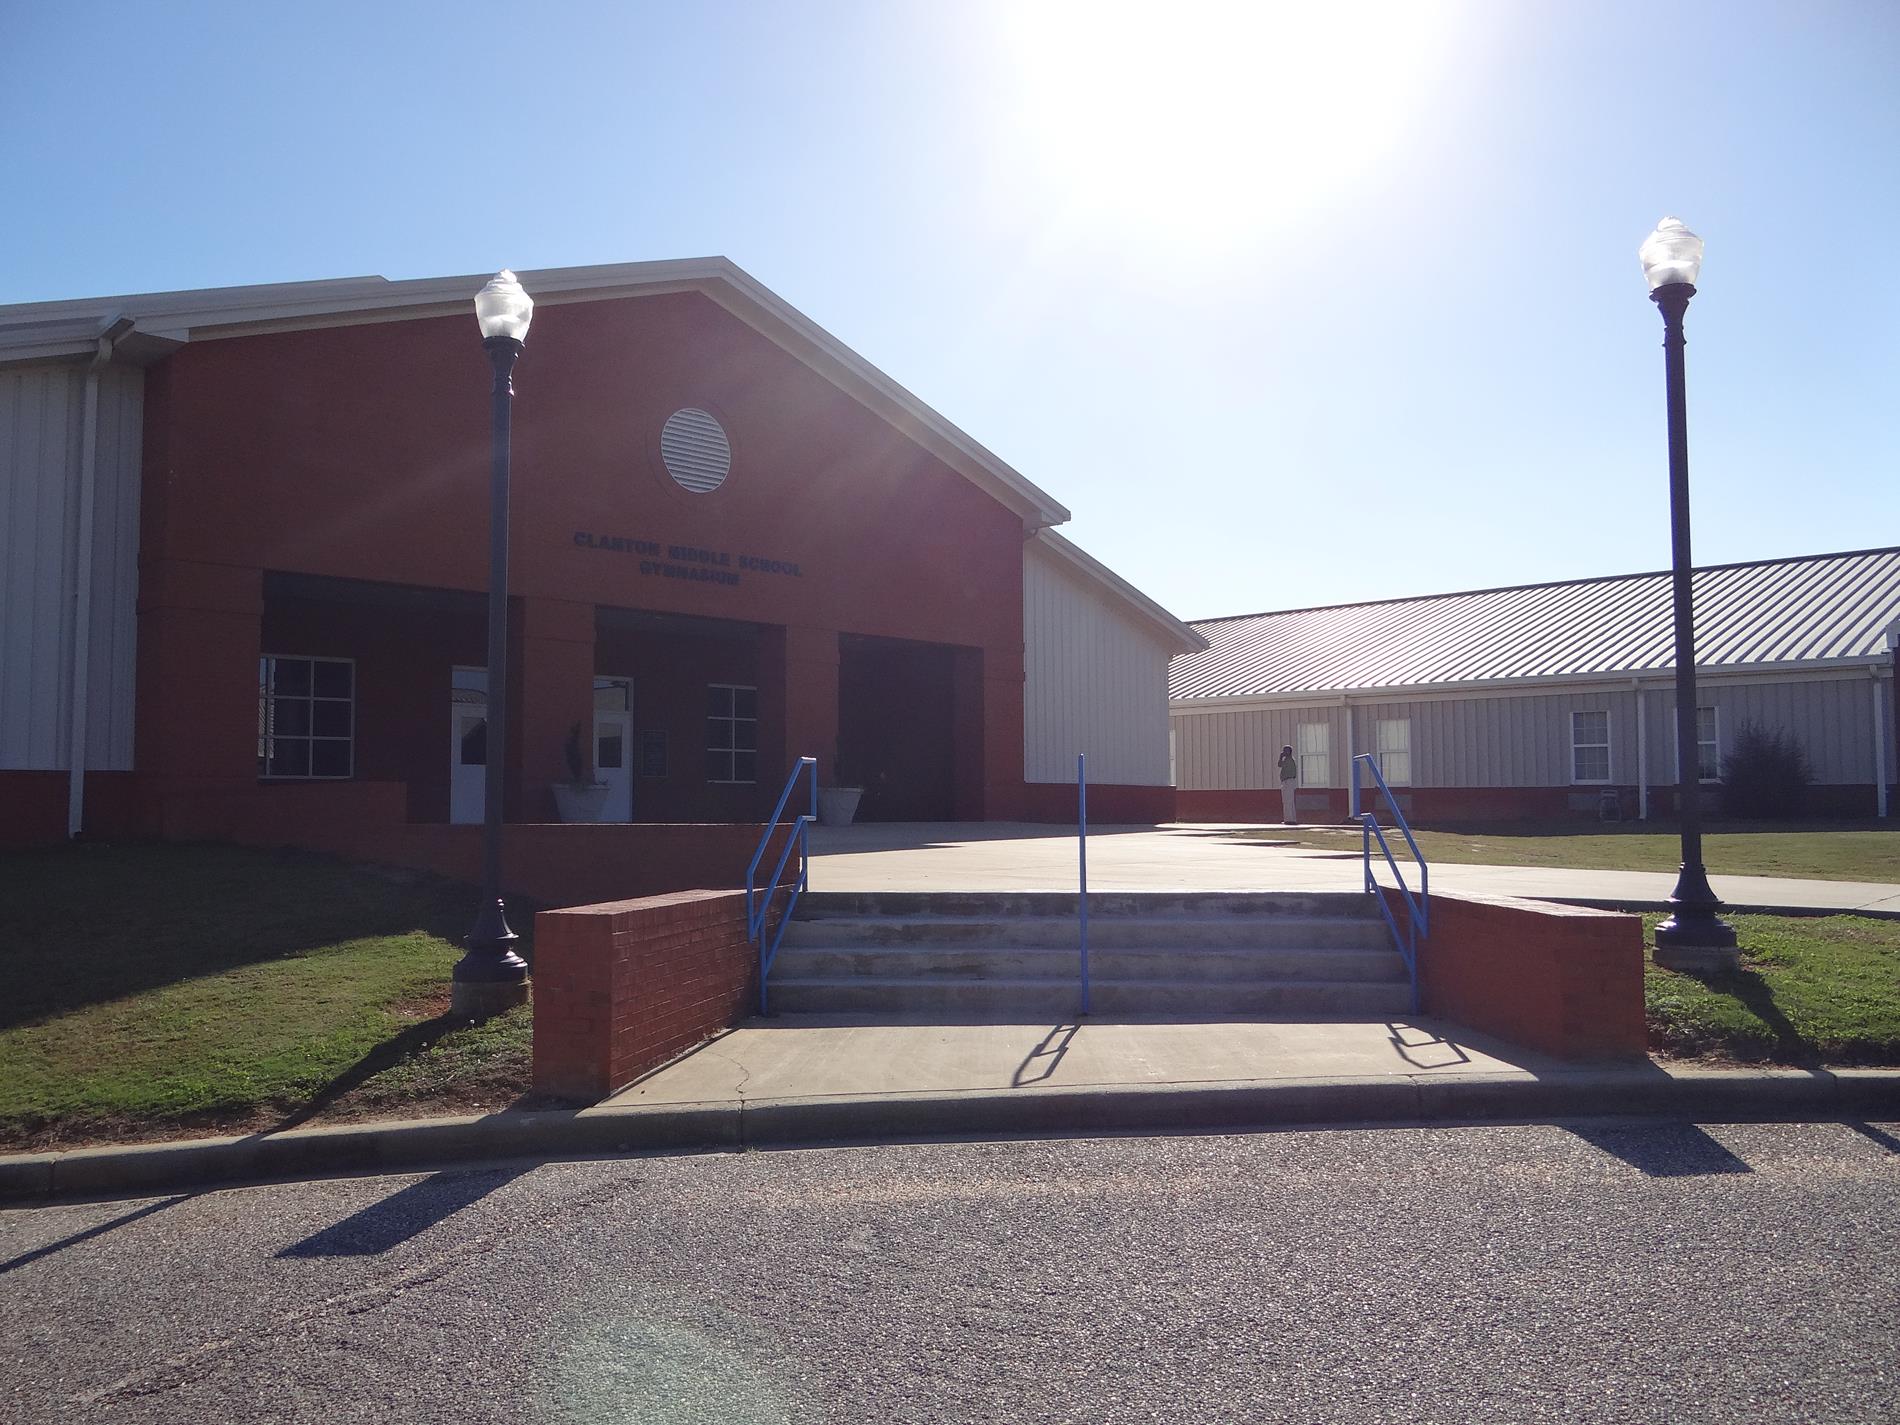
<point>1289,304</point>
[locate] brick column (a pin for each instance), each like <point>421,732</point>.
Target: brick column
<point>551,670</point>
<point>195,739</point>
<point>806,662</point>
<point>1004,795</point>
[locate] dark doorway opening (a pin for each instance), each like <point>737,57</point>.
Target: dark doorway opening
<point>897,727</point>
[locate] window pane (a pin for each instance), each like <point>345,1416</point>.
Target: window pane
<point>1708,762</point>
<point>608,751</point>
<point>1315,770</point>
<point>1593,764</point>
<point>745,702</point>
<point>474,748</point>
<point>745,733</point>
<point>653,753</point>
<point>719,766</point>
<point>290,717</point>
<point>330,719</point>
<point>718,732</point>
<point>745,766</point>
<point>291,675</point>
<point>718,702</point>
<point>470,680</point>
<point>1705,724</point>
<point>332,680</point>
<point>289,758</point>
<point>611,694</point>
<point>1590,727</point>
<point>1397,767</point>
<point>329,759</point>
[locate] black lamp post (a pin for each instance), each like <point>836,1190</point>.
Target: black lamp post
<point>491,977</point>
<point>1694,937</point>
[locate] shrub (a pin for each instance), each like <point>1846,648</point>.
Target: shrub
<point>1765,775</point>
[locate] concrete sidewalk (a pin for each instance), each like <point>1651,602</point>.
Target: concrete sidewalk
<point>1027,856</point>
<point>797,1083</point>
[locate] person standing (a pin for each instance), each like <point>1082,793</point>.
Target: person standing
<point>1289,783</point>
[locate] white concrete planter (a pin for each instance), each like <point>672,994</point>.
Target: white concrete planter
<point>580,801</point>
<point>838,806</point>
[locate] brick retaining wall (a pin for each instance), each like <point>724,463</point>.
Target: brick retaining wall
<point>1562,979</point>
<point>621,988</point>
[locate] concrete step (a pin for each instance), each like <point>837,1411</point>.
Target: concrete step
<point>1061,999</point>
<point>1173,931</point>
<point>825,905</point>
<point>1019,962</point>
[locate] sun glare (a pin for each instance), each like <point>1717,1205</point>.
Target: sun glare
<point>1212,122</point>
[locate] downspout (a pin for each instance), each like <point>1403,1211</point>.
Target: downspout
<point>1642,754</point>
<point>77,691</point>
<point>1352,782</point>
<point>1880,736</point>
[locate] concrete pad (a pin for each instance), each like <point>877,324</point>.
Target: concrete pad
<point>975,856</point>
<point>800,1057</point>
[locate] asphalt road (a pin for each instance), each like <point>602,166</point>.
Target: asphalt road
<point>1517,1274</point>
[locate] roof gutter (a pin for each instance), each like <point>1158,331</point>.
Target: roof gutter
<point>115,329</point>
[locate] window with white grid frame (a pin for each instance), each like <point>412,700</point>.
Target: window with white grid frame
<point>1590,746</point>
<point>732,733</point>
<point>1313,744</point>
<point>1708,745</point>
<point>306,717</point>
<point>1392,739</point>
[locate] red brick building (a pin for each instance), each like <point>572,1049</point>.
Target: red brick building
<point>247,542</point>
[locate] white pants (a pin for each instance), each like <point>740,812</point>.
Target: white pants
<point>1287,789</point>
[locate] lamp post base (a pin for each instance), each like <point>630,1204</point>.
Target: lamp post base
<point>484,999</point>
<point>1698,941</point>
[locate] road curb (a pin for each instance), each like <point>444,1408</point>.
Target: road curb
<point>1642,1090</point>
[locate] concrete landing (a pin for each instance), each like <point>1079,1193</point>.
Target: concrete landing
<point>801,1057</point>
<point>942,856</point>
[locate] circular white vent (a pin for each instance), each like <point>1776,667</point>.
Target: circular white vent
<point>694,447</point>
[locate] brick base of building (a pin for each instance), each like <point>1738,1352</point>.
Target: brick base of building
<point>1430,805</point>
<point>1109,804</point>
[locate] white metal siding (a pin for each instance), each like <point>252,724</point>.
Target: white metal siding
<point>1094,682</point>
<point>1524,741</point>
<point>41,415</point>
<point>1832,719</point>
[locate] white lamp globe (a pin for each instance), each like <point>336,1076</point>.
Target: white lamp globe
<point>504,307</point>
<point>1671,254</point>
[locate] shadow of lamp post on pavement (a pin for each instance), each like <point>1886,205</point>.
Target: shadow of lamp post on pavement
<point>1694,937</point>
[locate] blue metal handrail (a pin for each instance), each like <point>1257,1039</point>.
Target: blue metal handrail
<point>758,902</point>
<point>1418,908</point>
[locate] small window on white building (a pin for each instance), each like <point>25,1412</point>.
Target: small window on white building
<point>1590,746</point>
<point>1392,740</point>
<point>1313,744</point>
<point>1708,744</point>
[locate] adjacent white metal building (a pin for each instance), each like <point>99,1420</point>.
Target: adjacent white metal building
<point>1540,700</point>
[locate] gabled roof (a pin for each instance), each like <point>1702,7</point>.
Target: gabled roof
<point>41,331</point>
<point>1814,610</point>
<point>1179,636</point>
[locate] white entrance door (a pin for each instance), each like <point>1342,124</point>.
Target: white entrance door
<point>613,745</point>
<point>468,744</point>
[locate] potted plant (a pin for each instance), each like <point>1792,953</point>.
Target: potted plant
<point>579,798</point>
<point>838,803</point>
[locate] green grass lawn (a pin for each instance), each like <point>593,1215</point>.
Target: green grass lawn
<point>1811,990</point>
<point>162,990</point>
<point>1866,852</point>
